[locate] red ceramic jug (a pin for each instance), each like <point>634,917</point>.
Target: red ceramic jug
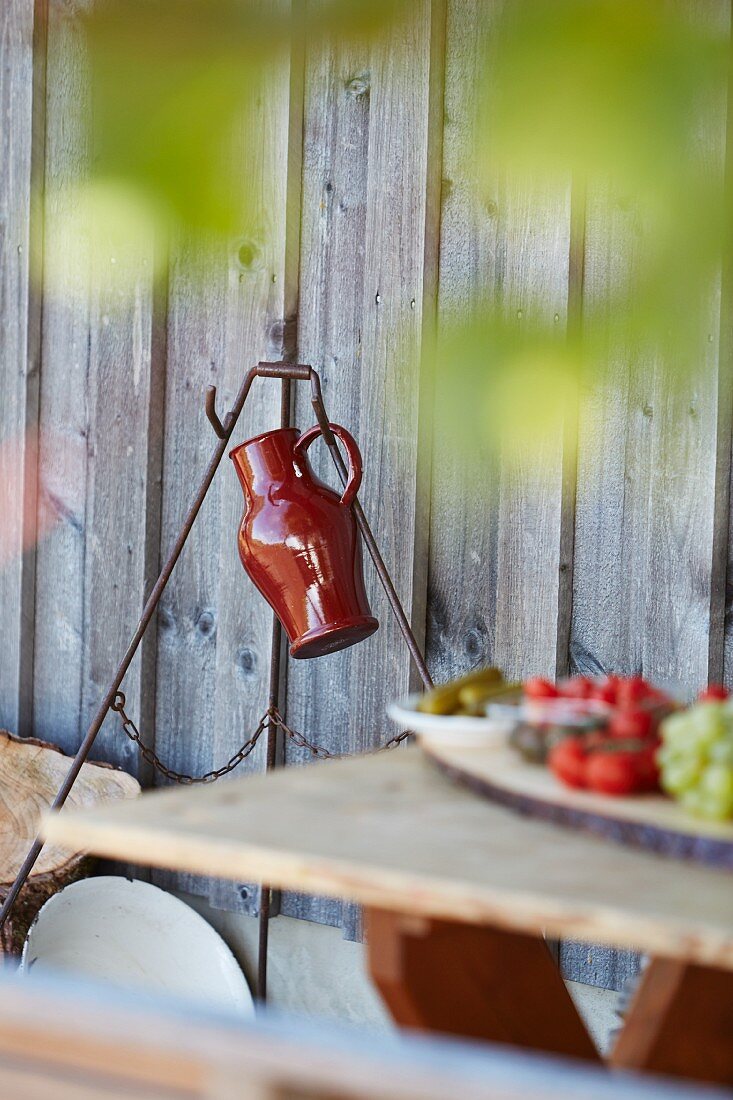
<point>299,543</point>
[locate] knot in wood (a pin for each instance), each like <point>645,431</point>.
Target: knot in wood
<point>358,85</point>
<point>247,255</point>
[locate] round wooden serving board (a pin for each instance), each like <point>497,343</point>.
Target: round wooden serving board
<point>647,821</point>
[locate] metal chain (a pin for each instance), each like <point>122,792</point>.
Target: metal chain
<point>271,717</point>
<point>181,777</point>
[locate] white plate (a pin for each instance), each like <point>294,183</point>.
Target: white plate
<point>134,935</point>
<point>459,730</point>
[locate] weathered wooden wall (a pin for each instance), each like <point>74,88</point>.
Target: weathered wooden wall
<point>370,232</point>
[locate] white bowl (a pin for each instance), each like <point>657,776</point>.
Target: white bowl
<point>459,730</point>
<point>131,934</point>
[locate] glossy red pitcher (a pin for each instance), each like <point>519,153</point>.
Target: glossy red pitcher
<point>299,543</point>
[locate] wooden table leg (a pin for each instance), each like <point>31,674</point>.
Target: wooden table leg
<point>478,982</point>
<point>680,1023</point>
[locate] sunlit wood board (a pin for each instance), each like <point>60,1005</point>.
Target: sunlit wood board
<point>389,830</point>
<point>653,822</point>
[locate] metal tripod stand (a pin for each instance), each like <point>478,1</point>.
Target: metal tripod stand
<point>223,430</point>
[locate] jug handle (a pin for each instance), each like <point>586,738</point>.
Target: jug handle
<point>352,450</point>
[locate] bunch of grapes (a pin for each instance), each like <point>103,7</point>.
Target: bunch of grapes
<point>696,758</point>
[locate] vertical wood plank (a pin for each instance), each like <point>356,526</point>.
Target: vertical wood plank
<point>497,523</point>
<point>21,109</point>
<point>721,656</point>
<point>123,394</point>
<point>534,247</point>
<point>64,408</point>
<point>186,643</point>
<point>648,503</point>
<point>100,417</point>
<point>226,312</point>
<point>258,328</point>
<point>501,531</point>
<point>363,245</point>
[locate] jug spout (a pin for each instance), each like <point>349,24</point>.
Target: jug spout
<point>299,543</point>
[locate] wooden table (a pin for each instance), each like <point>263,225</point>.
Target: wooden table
<point>459,894</point>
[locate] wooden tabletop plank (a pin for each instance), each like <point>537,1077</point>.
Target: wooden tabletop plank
<point>388,830</point>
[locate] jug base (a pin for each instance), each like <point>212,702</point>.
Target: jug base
<point>334,636</point>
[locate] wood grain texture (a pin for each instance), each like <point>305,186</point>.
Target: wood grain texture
<point>481,983</point>
<point>76,1043</point>
<point>647,564</point>
<point>388,830</point>
<point>365,166</point>
<point>100,421</point>
<point>679,1024</point>
<point>496,522</point>
<point>226,312</point>
<point>64,408</point>
<point>185,681</point>
<point>258,324</point>
<point>30,774</point>
<point>22,117</point>
<point>648,569</point>
<point>653,822</point>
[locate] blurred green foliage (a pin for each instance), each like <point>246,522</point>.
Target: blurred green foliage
<point>622,98</point>
<point>624,102</point>
<point>177,93</point>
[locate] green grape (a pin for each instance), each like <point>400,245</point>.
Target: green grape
<point>722,752</point>
<point>678,773</point>
<point>696,759</point>
<point>717,782</point>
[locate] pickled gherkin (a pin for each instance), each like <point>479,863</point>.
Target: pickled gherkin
<point>467,695</point>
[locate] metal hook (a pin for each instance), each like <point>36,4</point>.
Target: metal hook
<point>219,428</point>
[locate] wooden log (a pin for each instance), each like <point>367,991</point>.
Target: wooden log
<point>31,772</point>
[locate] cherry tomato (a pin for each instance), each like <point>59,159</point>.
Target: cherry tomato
<point>713,692</point>
<point>632,691</point>
<point>647,768</point>
<point>622,772</point>
<point>567,760</point>
<point>539,688</point>
<point>606,691</point>
<point>612,772</point>
<point>632,723</point>
<point>578,687</point>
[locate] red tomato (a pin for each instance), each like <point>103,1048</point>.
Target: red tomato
<point>537,687</point>
<point>567,760</point>
<point>632,691</point>
<point>624,772</point>
<point>647,767</point>
<point>612,772</point>
<point>713,692</point>
<point>631,723</point>
<point>578,687</point>
<point>605,692</point>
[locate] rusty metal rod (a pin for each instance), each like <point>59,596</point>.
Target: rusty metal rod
<point>366,532</point>
<point>263,929</point>
<point>264,370</point>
